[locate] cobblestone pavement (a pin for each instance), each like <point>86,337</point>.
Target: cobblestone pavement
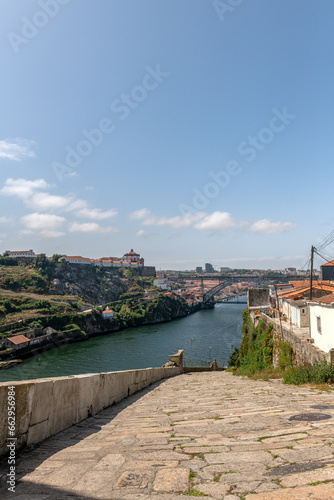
<point>199,434</point>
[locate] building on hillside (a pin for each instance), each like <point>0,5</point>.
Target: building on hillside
<point>107,313</point>
<point>224,269</point>
<point>321,313</point>
<point>27,254</point>
<point>327,271</point>
<point>290,270</point>
<point>199,270</point>
<point>76,260</point>
<point>162,283</point>
<point>133,257</point>
<point>17,342</point>
<point>209,268</point>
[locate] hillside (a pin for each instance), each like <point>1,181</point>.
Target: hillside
<point>44,277</point>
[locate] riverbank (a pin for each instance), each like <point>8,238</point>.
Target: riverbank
<point>205,335</point>
<point>165,308</point>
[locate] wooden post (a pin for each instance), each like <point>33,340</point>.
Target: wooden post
<point>311,277</point>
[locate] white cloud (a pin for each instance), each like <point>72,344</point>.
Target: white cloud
<point>90,227</point>
<point>4,219</point>
<point>144,234</point>
<point>22,187</point>
<point>52,234</point>
<point>142,213</point>
<point>177,221</point>
<point>46,201</point>
<point>96,213</point>
<point>265,226</point>
<point>216,221</point>
<point>42,222</point>
<point>16,149</point>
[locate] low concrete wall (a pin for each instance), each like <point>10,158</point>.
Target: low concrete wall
<point>44,407</point>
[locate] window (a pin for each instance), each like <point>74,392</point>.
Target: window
<point>303,311</point>
<point>319,324</point>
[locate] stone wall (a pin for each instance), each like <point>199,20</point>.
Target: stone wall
<point>257,297</point>
<point>303,349</point>
<point>44,407</point>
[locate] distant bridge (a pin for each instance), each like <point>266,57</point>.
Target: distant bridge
<point>224,281</point>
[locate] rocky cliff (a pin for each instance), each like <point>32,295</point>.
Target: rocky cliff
<point>95,285</point>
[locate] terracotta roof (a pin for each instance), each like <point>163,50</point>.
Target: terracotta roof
<point>18,339</point>
<point>326,299</point>
<point>132,253</point>
<point>330,263</point>
<point>19,251</point>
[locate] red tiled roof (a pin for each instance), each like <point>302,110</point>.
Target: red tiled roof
<point>326,299</point>
<point>330,263</point>
<point>19,251</point>
<point>18,339</point>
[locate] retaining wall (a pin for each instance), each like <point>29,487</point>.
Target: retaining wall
<point>303,349</point>
<point>44,407</point>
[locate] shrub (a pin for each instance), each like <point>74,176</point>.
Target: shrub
<point>285,355</point>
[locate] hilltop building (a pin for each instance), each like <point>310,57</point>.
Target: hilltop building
<point>130,259</point>
<point>133,257</point>
<point>27,254</point>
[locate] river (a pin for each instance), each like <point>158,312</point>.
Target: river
<point>204,335</point>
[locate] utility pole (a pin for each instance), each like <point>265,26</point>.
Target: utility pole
<point>311,277</point>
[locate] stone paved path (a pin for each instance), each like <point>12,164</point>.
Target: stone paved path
<point>213,433</point>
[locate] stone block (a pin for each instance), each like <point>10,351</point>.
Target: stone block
<point>42,402</point>
<point>38,432</point>
<point>171,480</point>
<point>65,401</point>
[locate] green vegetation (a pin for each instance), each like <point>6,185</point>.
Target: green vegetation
<point>285,355</point>
<point>254,358</point>
<point>217,477</point>
<point>194,493</point>
<point>322,373</point>
<point>256,348</point>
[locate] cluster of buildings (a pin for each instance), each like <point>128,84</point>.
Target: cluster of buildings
<point>303,306</point>
<point>130,259</point>
<point>29,337</point>
<point>208,268</point>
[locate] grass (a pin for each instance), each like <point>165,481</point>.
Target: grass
<point>230,472</point>
<point>217,477</point>
<point>192,474</point>
<point>194,493</point>
<point>321,482</point>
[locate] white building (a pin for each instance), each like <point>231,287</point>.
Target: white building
<point>162,283</point>
<point>107,313</point>
<point>30,254</point>
<point>76,260</point>
<point>321,313</point>
<point>295,311</point>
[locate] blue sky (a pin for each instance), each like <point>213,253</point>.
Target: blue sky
<point>190,130</point>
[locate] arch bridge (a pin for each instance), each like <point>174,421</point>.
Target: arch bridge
<point>224,281</point>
